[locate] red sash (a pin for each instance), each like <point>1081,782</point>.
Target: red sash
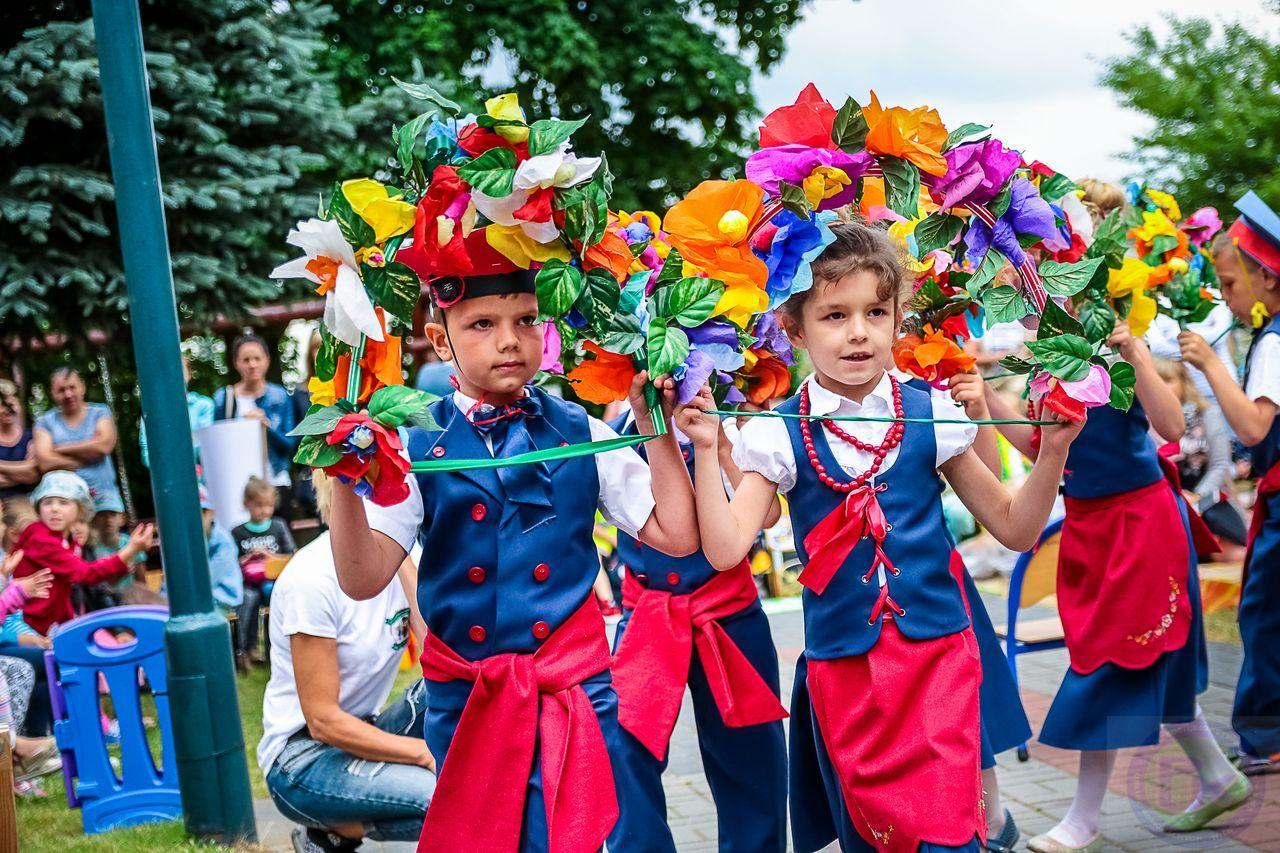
<point>831,540</point>
<point>1268,485</point>
<point>1123,570</point>
<point>651,668</point>
<point>900,724</point>
<point>479,801</point>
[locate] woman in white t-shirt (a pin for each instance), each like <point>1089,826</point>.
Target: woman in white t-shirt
<point>331,761</point>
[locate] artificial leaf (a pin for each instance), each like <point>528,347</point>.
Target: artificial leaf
<point>599,298</point>
<point>406,137</point>
<point>936,231</point>
<point>668,347</point>
<point>688,301</point>
<point>355,230</point>
<point>633,291</point>
<point>998,205</point>
<point>962,134</point>
<point>624,335</point>
<point>929,297</point>
<point>423,92</point>
<point>558,286</point>
<point>849,129</point>
<point>1123,380</point>
<point>1005,304</point>
<point>319,422</point>
<point>1056,186</point>
<point>315,452</point>
<point>1109,241</point>
<point>327,355</point>
<point>1065,356</point>
<point>672,268</point>
<point>395,287</point>
<point>547,134</point>
<point>1161,244</point>
<point>586,207</point>
<point>393,405</point>
<point>1055,321</point>
<point>901,186</point>
<point>793,199</point>
<point>492,173</point>
<point>992,263</point>
<point>1016,365</point>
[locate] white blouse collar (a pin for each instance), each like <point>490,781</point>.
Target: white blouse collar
<point>823,401</point>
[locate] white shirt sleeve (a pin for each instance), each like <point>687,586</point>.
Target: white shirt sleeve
<point>305,602</point>
<point>951,439</point>
<point>626,488</point>
<point>400,521</point>
<point>764,447</point>
<point>1264,370</point>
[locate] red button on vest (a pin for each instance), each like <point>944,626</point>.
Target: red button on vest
<point>478,512</point>
<point>477,633</point>
<point>541,572</point>
<point>541,630</point>
<point>475,574</point>
<point>673,579</point>
<point>437,452</point>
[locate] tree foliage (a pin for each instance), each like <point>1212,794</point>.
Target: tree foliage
<point>1213,93</point>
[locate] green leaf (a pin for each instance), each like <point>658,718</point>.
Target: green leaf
<point>393,405</point>
<point>937,231</point>
<point>998,205</point>
<point>672,268</point>
<point>1098,319</point>
<point>1123,380</point>
<point>1013,364</point>
<point>600,297</point>
<point>992,263</point>
<point>423,92</point>
<point>1161,244</point>
<point>406,137</point>
<point>624,335</point>
<point>492,173</point>
<point>395,287</point>
<point>586,207</point>
<point>1066,356</point>
<point>668,347</point>
<point>355,230</point>
<point>547,134</point>
<point>793,199</point>
<point>633,291</point>
<point>1055,321</point>
<point>315,452</point>
<point>962,134</point>
<point>688,301</point>
<point>1109,241</point>
<point>929,297</point>
<point>849,130</point>
<point>558,286</point>
<point>327,355</point>
<point>901,186</point>
<point>1056,186</point>
<point>1005,304</point>
<point>319,422</point>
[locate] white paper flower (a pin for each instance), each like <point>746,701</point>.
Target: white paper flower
<point>558,168</point>
<point>348,311</point>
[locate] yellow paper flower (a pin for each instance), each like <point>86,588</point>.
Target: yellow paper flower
<point>386,215</point>
<point>650,219</point>
<point>1167,203</point>
<point>1154,224</point>
<point>1131,278</point>
<point>824,182</point>
<point>1141,312</point>
<point>322,393</point>
<point>899,232</point>
<point>521,249</point>
<point>508,107</point>
<point>740,301</point>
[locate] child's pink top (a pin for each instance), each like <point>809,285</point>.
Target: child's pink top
<point>11,599</point>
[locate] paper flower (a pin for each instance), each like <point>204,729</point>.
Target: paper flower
<point>551,347</point>
<point>770,336</point>
<point>320,392</point>
<point>380,366</point>
<point>371,459</point>
<point>976,173</point>
<point>1202,225</point>
<point>611,254</point>
<point>1165,202</point>
<point>914,135</point>
<point>1028,213</point>
<point>1154,224</point>
<point>445,215</point>
<point>1132,280</point>
<point>796,243</point>
<point>827,176</point>
<point>806,122</point>
<point>1071,399</point>
<point>536,179</point>
<point>330,262</point>
<point>515,244</point>
<point>714,347</point>
<point>507,107</point>
<point>604,378</point>
<point>933,357</point>
<point>385,214</point>
<point>764,377</point>
<point>710,227</point>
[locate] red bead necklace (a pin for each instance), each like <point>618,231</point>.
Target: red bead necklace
<point>892,438</point>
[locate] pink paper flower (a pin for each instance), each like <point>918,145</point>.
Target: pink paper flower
<point>551,345</point>
<point>796,163</point>
<point>1093,390</point>
<point>1202,225</point>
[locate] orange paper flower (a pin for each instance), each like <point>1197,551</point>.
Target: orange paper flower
<point>612,253</point>
<point>603,379</point>
<point>767,379</point>
<point>934,357</point>
<point>380,366</point>
<point>711,226</point>
<point>914,135</point>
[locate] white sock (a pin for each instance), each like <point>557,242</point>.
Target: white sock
<point>1212,766</point>
<point>1084,818</point>
<point>995,807</point>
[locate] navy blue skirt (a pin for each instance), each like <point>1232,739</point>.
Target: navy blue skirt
<point>1004,722</point>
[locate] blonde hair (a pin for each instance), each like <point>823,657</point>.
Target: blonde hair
<point>258,488</point>
<point>1176,371</point>
<point>1100,198</point>
<point>16,516</point>
<point>324,493</point>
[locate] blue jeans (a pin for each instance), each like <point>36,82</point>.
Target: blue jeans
<point>320,786</point>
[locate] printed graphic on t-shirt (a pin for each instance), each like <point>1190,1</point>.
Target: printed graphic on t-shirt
<point>399,624</point>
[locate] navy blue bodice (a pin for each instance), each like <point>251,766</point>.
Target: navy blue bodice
<point>1112,455</point>
<point>486,586</point>
<point>836,621</point>
<point>1266,454</point>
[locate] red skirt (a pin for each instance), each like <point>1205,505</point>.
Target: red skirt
<point>900,725</point>
<point>1123,569</point>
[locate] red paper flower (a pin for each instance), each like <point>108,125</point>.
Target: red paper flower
<point>806,122</point>
<point>371,457</point>
<point>1058,400</point>
<point>438,247</point>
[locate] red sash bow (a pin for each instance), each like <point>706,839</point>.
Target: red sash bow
<point>479,801</point>
<point>651,668</point>
<point>831,540</point>
<point>1268,485</point>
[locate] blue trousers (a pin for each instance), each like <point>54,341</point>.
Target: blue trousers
<point>746,767</point>
<point>1256,715</point>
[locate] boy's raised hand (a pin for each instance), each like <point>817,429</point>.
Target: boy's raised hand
<point>1195,349</point>
<point>692,419</point>
<point>142,537</point>
<point>969,390</point>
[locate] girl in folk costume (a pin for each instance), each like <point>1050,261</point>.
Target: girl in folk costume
<point>885,742</point>
<point>1247,257</point>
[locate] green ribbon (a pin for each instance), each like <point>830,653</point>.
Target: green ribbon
<point>550,454</point>
<point>882,420</point>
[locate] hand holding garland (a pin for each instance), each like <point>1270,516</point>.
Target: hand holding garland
<point>1161,406</point>
<point>1251,420</point>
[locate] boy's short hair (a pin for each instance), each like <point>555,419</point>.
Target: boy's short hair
<point>857,248</point>
<point>259,489</point>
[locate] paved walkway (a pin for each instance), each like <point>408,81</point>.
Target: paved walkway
<point>1037,791</point>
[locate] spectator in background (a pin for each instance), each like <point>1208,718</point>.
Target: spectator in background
<point>254,398</point>
<point>1162,337</point>
<point>260,538</point>
<point>18,472</point>
<point>199,413</point>
<point>77,436</point>
<point>332,762</point>
<point>224,567</point>
<point>17,638</point>
<point>435,376</point>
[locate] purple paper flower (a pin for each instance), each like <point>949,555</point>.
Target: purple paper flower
<point>692,375</point>
<point>713,332</point>
<point>794,163</point>
<point>976,172</point>
<point>1028,213</point>
<point>770,335</point>
<point>551,346</point>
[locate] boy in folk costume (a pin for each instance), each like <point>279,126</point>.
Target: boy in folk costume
<point>1247,257</point>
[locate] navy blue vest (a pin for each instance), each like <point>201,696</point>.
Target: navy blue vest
<point>1266,453</point>
<point>1113,454</point>
<point>652,568</point>
<point>486,587</point>
<point>835,623</point>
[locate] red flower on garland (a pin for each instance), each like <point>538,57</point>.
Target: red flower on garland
<point>438,247</point>
<point>371,458</point>
<point>1058,400</point>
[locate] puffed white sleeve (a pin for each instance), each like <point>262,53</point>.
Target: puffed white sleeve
<point>764,447</point>
<point>626,488</point>
<point>951,439</point>
<point>399,521</point>
<point>1264,370</point>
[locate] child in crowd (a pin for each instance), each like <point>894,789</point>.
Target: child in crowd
<point>224,562</point>
<point>885,741</point>
<point>107,535</point>
<point>32,757</point>
<point>62,499</point>
<point>260,538</point>
<point>1247,258</point>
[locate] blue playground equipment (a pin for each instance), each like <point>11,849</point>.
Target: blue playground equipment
<point>86,655</point>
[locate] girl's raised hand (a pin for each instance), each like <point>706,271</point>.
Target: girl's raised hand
<point>1058,438</point>
<point>142,537</point>
<point>969,390</point>
<point>692,419</point>
<point>36,585</point>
